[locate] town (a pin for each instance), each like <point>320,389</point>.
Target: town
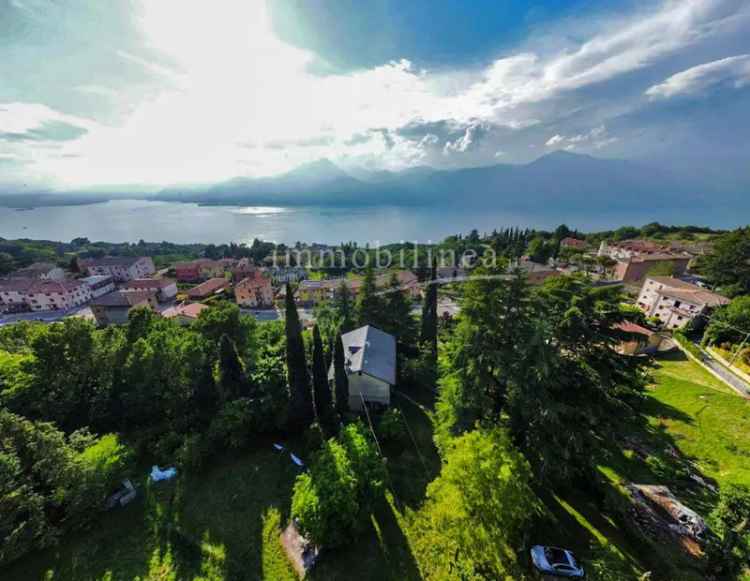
<point>280,370</point>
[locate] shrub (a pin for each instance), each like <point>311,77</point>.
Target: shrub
<point>391,427</point>
<point>193,453</point>
<point>729,552</point>
<point>233,425</point>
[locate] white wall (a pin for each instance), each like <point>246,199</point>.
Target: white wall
<point>372,389</point>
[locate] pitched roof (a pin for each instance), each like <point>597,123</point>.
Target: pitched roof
<point>190,311</point>
<point>210,286</point>
<point>147,283</point>
<point>122,299</point>
<point>630,327</point>
<point>371,351</point>
<point>111,261</point>
<point>683,290</point>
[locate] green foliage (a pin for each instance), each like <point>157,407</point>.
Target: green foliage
<point>321,390</point>
<point>301,411</point>
<point>728,322</point>
<point>333,500</point>
<point>225,319</point>
<point>476,511</point>
<point>391,427</point>
<point>340,379</point>
<point>728,265</point>
<point>370,309</point>
<point>730,553</point>
<point>428,334</point>
<point>232,381</point>
<point>47,486</point>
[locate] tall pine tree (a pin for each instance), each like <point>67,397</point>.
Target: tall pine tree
<point>428,333</point>
<point>340,380</point>
<point>300,396</point>
<point>321,389</point>
<point>369,304</point>
<point>344,307</point>
<point>232,381</point>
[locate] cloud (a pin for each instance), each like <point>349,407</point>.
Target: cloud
<point>468,141</point>
<point>733,72</point>
<point>47,131</point>
<point>596,138</point>
<point>554,140</point>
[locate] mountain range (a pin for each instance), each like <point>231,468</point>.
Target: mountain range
<point>561,179</point>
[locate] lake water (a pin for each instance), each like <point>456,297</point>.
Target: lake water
<point>132,220</point>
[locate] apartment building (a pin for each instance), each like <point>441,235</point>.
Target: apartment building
<point>120,268</point>
<point>676,302</point>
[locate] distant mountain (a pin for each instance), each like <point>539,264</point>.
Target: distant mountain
<point>559,179</point>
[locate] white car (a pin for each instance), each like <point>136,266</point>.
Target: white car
<point>556,562</point>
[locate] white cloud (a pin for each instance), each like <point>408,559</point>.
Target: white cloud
<point>733,71</point>
<point>240,84</point>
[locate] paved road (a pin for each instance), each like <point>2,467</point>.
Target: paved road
<point>734,381</point>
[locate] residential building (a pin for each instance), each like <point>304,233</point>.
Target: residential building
<point>202,269</point>
<point>24,294</point>
<point>206,289</point>
<point>99,285</point>
<point>640,341</point>
<point>407,281</point>
<point>187,271</point>
<point>243,269</point>
<point>536,273</point>
<point>636,268</point>
<point>676,302</point>
<point>121,268</point>
<point>114,308</point>
<point>630,248</point>
<point>40,271</point>
<point>254,291</point>
<point>573,243</point>
<point>283,275</point>
<point>312,291</point>
<point>370,363</point>
<point>164,288</point>
<point>184,314</point>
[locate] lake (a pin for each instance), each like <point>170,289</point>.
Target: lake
<point>132,220</point>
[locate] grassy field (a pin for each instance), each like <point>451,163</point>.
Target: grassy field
<point>225,524</point>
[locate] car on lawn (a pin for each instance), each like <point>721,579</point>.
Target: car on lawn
<point>556,562</point>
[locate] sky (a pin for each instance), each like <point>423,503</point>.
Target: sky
<point>150,93</point>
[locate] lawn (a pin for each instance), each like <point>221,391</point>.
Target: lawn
<point>225,524</point>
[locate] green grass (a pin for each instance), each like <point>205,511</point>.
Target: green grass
<point>225,524</point>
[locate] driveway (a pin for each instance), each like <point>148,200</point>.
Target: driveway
<point>734,381</point>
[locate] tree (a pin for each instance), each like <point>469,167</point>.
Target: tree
<point>476,510</point>
<point>232,381</point>
<point>728,265</point>
<point>225,319</point>
<point>332,502</point>
<point>340,379</point>
<point>321,389</point>
<point>397,309</point>
<point>428,333</point>
<point>731,323</point>
<point>344,308</point>
<point>729,553</point>
<point>300,403</point>
<point>369,310</point>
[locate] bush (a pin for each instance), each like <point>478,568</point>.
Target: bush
<point>332,501</point>
<point>233,425</point>
<point>729,552</point>
<point>391,427</point>
<point>193,453</point>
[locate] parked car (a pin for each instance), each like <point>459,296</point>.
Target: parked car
<point>556,562</point>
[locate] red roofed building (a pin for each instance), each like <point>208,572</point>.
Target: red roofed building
<point>164,288</point>
<point>184,314</point>
<point>254,291</point>
<point>639,339</point>
<point>208,288</point>
<point>573,243</point>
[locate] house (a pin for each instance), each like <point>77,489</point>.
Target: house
<point>202,269</point>
<point>254,291</point>
<point>283,275</point>
<point>40,271</point>
<point>573,243</point>
<point>676,302</point>
<point>184,314</point>
<point>187,271</point>
<point>25,294</point>
<point>636,268</point>
<point>370,363</point>
<point>120,268</point>
<point>209,288</point>
<point>630,248</point>
<point>312,292</point>
<point>114,308</point>
<point>407,282</point>
<point>243,269</point>
<point>164,288</point>
<point>536,273</point>
<point>99,285</point>
<point>641,340</point>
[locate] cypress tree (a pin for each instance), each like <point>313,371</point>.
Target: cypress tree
<point>428,334</point>
<point>344,307</point>
<point>369,305</point>
<point>232,380</point>
<point>300,396</point>
<point>398,311</point>
<point>321,389</point>
<point>341,381</point>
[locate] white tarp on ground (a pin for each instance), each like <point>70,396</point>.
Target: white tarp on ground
<point>166,474</point>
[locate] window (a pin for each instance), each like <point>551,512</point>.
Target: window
<point>677,303</point>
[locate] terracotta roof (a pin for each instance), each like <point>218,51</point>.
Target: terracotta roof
<point>210,286</point>
<point>630,327</point>
<point>680,289</point>
<point>255,279</point>
<point>190,311</point>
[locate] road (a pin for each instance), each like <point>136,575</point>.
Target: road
<point>734,381</point>
<point>45,316</point>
